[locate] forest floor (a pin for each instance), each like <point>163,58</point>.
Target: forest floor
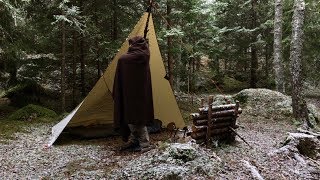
<point>24,155</point>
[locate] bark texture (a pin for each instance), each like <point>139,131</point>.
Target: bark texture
<point>277,60</point>
<point>74,69</point>
<point>169,46</point>
<point>254,57</point>
<point>299,106</point>
<point>63,67</point>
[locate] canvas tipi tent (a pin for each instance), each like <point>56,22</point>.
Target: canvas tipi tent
<point>97,108</point>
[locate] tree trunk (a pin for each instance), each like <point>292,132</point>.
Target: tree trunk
<point>299,105</point>
<point>114,30</point>
<point>169,46</point>
<point>277,60</point>
<point>179,67</point>
<point>254,57</point>
<point>96,39</point>
<point>266,55</point>
<point>254,67</point>
<point>74,69</point>
<point>12,74</point>
<point>63,64</point>
<point>82,68</point>
<point>217,65</point>
<point>82,63</point>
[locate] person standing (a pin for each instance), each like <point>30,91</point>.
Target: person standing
<point>132,94</point>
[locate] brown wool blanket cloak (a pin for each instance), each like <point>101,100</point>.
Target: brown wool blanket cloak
<point>132,90</point>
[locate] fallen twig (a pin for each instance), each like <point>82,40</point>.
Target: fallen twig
<point>240,136</point>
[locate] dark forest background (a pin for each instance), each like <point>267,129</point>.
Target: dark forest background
<point>54,51</point>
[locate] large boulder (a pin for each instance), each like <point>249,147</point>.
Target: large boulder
<point>270,104</point>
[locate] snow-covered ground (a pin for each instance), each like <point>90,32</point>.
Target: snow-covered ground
<point>26,157</point>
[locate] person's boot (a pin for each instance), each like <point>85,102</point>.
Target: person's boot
<point>130,146</point>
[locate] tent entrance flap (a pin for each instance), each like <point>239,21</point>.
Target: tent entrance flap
<point>97,108</point>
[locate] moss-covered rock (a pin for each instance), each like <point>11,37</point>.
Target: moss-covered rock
<point>31,112</point>
<point>184,152</point>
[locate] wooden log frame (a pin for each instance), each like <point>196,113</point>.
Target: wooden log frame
<point>204,110</point>
<point>203,122</point>
<point>208,130</point>
<point>223,136</point>
<point>212,126</point>
<point>203,134</point>
<point>218,114</point>
<point>214,122</point>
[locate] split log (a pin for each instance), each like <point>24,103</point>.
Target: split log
<point>199,122</point>
<point>202,102</point>
<point>204,110</point>
<point>223,136</point>
<point>220,137</point>
<point>225,113</point>
<point>208,130</point>
<point>202,135</point>
<point>212,127</point>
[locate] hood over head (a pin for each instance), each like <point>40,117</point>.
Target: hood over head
<point>138,43</point>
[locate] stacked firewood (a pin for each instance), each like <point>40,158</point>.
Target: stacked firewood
<point>215,122</point>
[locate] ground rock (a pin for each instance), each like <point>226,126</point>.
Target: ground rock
<point>300,152</point>
<point>304,144</point>
<point>175,161</point>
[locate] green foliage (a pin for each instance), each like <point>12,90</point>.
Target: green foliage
<point>8,128</point>
<point>231,84</point>
<point>242,98</point>
<point>11,124</point>
<point>2,93</point>
<point>6,110</point>
<point>31,112</point>
<point>187,107</point>
<point>221,30</point>
<point>25,93</point>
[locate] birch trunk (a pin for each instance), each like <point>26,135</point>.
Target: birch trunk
<point>299,106</point>
<point>277,60</point>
